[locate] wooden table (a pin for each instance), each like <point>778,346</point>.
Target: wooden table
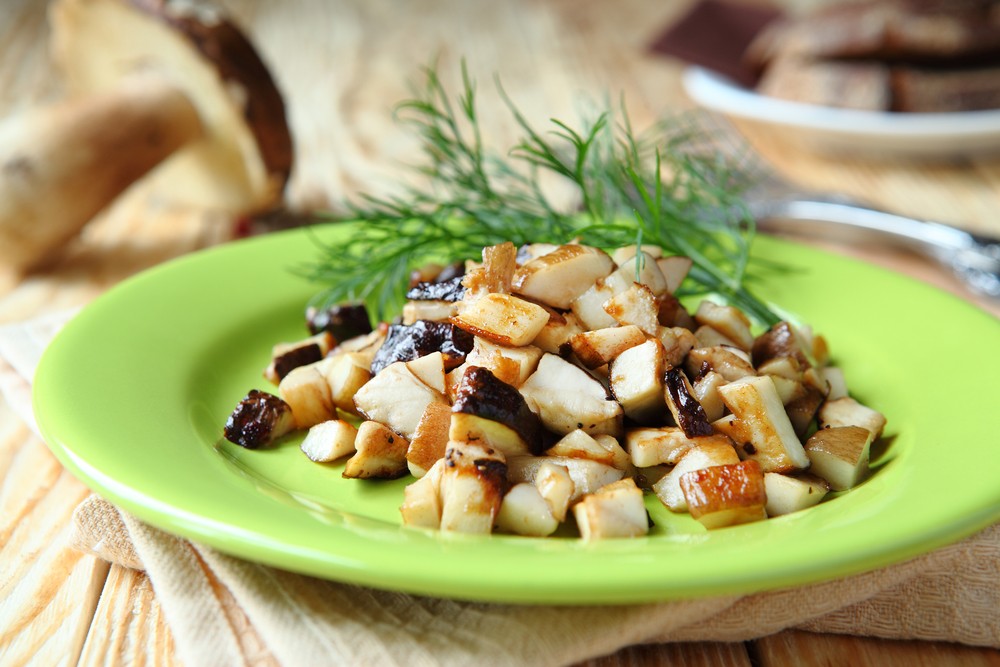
<point>342,66</point>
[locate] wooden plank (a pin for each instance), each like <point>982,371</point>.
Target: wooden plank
<point>128,626</point>
<point>694,654</point>
<point>807,649</point>
<point>48,591</point>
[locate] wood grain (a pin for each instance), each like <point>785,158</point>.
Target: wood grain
<point>804,648</point>
<point>47,590</point>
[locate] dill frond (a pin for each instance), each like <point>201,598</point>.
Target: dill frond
<point>667,187</point>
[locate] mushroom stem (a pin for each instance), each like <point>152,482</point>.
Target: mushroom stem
<point>61,165</point>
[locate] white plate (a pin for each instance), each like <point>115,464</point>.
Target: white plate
<point>849,131</point>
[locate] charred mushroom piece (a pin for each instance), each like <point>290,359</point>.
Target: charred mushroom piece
<point>258,420</point>
<point>406,342</point>
<point>342,321</point>
<point>154,83</point>
<point>685,408</point>
<point>286,357</point>
<point>449,290</point>
<point>495,414</point>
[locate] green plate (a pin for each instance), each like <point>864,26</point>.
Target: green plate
<point>132,395</point>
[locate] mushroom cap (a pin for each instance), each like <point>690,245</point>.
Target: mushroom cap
<point>243,159</point>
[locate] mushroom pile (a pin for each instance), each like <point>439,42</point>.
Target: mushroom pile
<point>558,385</point>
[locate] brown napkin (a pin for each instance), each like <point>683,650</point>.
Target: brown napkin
<point>715,35</point>
<point>223,610</point>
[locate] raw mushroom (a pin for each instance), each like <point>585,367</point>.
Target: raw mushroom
<point>149,80</point>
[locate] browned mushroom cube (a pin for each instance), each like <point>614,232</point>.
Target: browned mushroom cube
<point>726,495</point>
<point>839,454</point>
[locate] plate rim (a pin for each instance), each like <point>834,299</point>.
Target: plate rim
<point>717,92</point>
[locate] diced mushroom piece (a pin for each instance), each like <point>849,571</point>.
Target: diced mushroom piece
<point>674,269</point>
<point>685,408</point>
<point>636,305</point>
<point>589,306</point>
<point>559,277</point>
<point>567,398</point>
<point>665,445</point>
<point>258,420</point>
<point>710,337</point>
<point>305,389</point>
<point>587,475</point>
<point>286,356</point>
<point>846,411</point>
<point>524,511</point>
<point>531,251</point>
<point>784,367</point>
<point>615,510</point>
<point>839,454</point>
<point>672,313</point>
<point>512,365</point>
<point>422,499</point>
<point>380,453</point>
<point>835,379</point>
<point>706,390</point>
<point>342,321</point>
<point>637,381</point>
<point>473,482</point>
<point>557,332</point>
<point>779,341</point>
<point>802,408</point>
<point>409,342</point>
<point>579,445</point>
<point>649,273</point>
<point>429,369</point>
<point>345,374</point>
<point>726,495</point>
<point>430,439</point>
<point>396,397</point>
<point>625,253</point>
<point>495,414</point>
<point>768,435</point>
<point>677,343</point>
<point>788,390</point>
<point>786,494</point>
<point>430,311</point>
<point>363,347</point>
<point>721,359</point>
<point>503,319</point>
<point>329,441</point>
<point>555,485</point>
<point>495,275</point>
<point>598,347</point>
<point>727,320</point>
<point>619,457</point>
<point>705,455</point>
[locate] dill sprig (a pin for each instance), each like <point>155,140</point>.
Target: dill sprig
<point>668,187</point>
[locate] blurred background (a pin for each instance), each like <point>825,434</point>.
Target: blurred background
<point>342,66</point>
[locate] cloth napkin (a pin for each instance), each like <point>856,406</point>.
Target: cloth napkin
<point>223,610</point>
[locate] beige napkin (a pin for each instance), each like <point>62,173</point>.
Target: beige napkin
<point>223,610</point>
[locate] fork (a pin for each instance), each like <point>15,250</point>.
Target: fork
<point>778,205</point>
